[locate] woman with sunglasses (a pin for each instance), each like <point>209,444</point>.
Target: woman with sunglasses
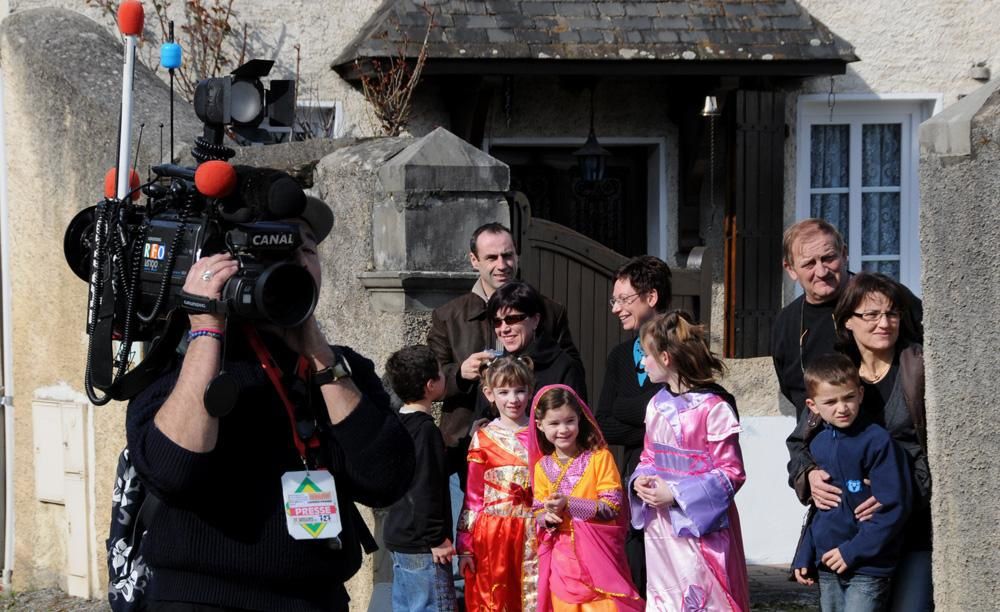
<point>515,309</point>
<point>876,328</point>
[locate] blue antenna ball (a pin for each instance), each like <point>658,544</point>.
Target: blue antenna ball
<point>170,55</point>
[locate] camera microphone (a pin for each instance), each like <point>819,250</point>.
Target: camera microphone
<point>215,179</point>
<point>111,183</point>
<point>130,18</point>
<point>264,194</point>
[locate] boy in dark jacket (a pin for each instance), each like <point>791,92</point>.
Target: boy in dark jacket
<point>855,558</point>
<point>417,530</point>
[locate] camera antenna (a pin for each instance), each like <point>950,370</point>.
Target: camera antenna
<point>138,141</point>
<point>170,58</point>
<point>130,22</point>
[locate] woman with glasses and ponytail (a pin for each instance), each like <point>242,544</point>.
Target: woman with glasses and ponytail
<point>877,328</point>
<point>515,309</point>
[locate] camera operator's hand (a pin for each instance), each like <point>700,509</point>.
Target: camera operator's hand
<point>341,397</point>
<point>206,278</point>
<point>183,418</point>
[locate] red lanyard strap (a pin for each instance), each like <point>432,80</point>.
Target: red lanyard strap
<point>274,373</point>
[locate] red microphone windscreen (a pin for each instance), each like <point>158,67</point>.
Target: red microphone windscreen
<point>130,18</point>
<point>215,179</point>
<point>111,183</point>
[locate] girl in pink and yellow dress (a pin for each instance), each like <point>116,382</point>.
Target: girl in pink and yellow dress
<point>580,510</point>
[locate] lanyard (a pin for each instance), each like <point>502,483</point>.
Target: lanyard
<point>270,366</point>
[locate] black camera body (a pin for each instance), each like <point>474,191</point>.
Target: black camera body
<point>136,258</point>
<point>269,285</point>
<point>155,246</point>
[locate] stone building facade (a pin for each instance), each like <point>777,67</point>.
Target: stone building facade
<point>913,62</point>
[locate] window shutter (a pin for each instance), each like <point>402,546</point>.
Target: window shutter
<point>754,223</point>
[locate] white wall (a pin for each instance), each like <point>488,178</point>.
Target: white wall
<point>770,514</point>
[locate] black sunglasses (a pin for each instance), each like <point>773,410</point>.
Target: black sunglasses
<point>509,319</point>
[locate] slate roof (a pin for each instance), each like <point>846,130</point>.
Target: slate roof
<point>609,30</point>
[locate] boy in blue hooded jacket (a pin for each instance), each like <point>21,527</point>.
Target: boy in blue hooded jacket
<point>855,557</point>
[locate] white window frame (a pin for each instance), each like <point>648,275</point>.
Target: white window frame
<point>338,112</point>
<point>661,225</point>
<point>910,110</point>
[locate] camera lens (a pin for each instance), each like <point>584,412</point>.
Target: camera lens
<point>285,294</point>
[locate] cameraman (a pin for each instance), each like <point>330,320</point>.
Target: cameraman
<point>217,539</point>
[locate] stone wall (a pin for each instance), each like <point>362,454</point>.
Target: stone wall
<point>61,103</point>
<point>959,235</point>
<point>320,29</point>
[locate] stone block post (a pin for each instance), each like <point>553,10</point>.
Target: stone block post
<point>434,194</point>
<point>960,248</point>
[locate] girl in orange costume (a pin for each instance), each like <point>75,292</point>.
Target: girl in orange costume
<point>496,534</point>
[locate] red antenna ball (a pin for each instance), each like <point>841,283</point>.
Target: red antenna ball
<point>111,183</point>
<point>215,179</point>
<point>130,17</point>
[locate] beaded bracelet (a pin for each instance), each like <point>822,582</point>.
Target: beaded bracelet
<point>211,333</point>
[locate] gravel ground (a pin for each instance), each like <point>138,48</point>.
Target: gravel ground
<point>49,600</point>
<point>770,591</point>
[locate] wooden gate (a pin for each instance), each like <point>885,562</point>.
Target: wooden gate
<point>579,273</point>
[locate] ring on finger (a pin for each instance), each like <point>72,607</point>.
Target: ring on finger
<point>207,275</point>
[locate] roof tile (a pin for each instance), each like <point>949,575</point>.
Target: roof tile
<point>669,30</point>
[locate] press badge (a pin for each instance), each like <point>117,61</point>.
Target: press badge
<point>311,509</point>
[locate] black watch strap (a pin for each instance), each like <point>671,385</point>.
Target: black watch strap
<point>340,369</point>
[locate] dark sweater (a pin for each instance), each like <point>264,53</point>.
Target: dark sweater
<point>421,520</point>
<point>800,317</point>
<point>851,455</point>
<point>621,410</point>
<point>219,535</point>
<point>553,365</point>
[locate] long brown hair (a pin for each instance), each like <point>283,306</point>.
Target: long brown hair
<point>588,437</point>
<point>676,334</point>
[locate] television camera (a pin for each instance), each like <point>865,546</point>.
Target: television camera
<point>136,257</point>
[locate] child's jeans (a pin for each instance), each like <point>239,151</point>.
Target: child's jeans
<point>853,592</point>
<point>420,585</point>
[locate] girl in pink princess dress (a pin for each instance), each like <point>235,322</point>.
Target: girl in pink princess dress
<point>682,491</point>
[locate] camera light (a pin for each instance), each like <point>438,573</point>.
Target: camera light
<point>247,101</point>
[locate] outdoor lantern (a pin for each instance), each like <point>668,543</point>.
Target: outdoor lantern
<point>711,108</point>
<point>591,156</point>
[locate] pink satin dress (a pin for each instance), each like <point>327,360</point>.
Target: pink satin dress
<point>694,548</point>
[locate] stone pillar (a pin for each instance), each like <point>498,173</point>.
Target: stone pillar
<point>403,214</point>
<point>960,244</point>
<point>433,196</point>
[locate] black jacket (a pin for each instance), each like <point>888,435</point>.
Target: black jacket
<point>219,534</point>
<point>553,365</point>
<point>421,520</point>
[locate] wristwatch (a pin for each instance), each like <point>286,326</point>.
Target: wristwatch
<point>340,369</point>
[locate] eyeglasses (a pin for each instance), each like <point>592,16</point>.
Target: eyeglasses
<point>624,300</point>
<point>510,319</point>
<point>874,316</point>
